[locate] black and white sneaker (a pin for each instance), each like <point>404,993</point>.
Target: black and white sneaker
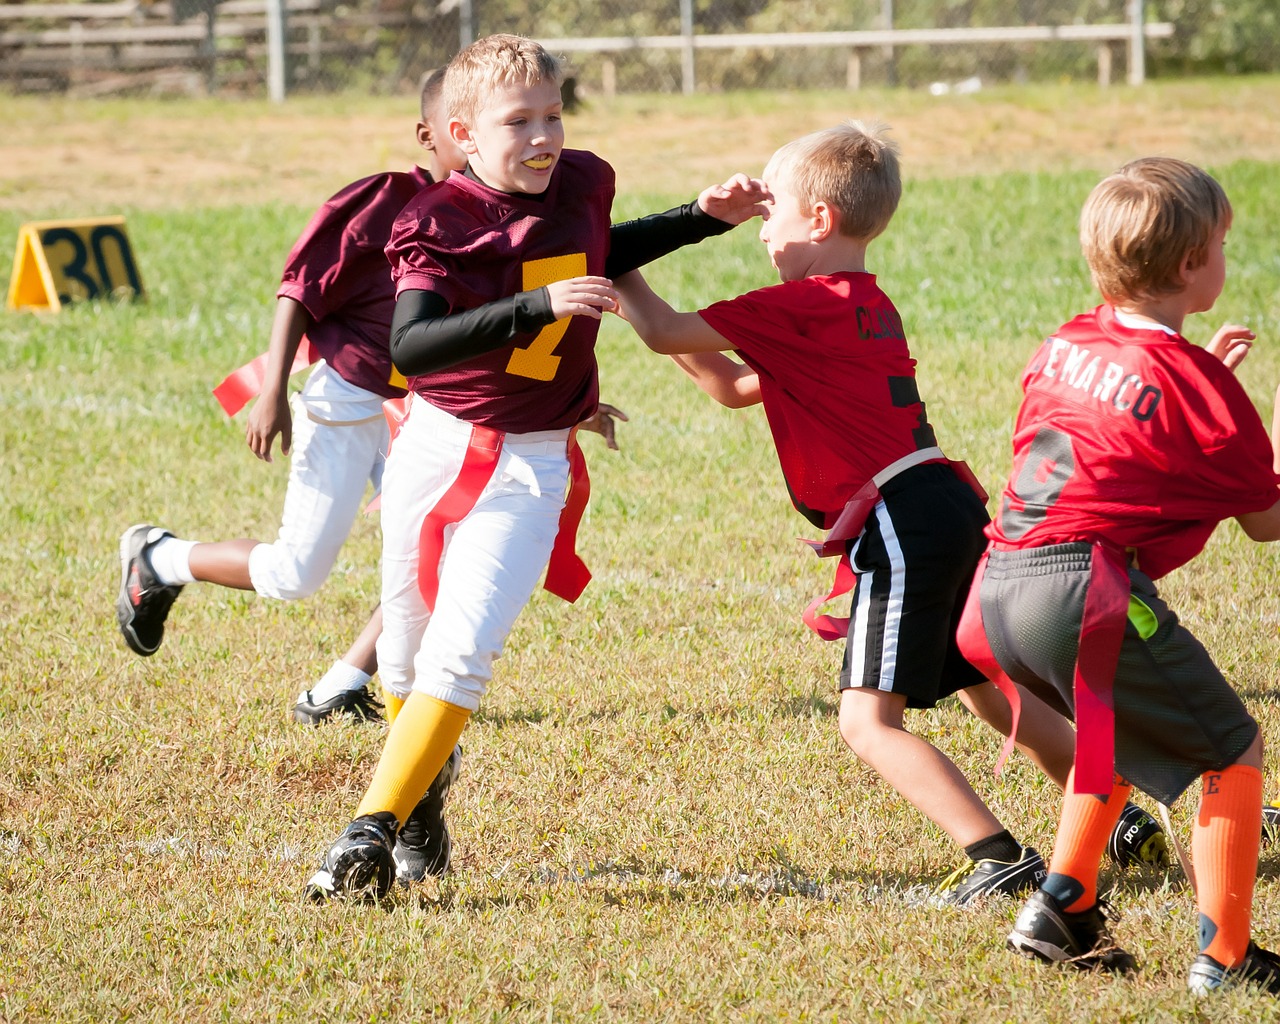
<point>984,877</point>
<point>1044,931</point>
<point>1260,967</point>
<point>423,846</point>
<point>1138,839</point>
<point>144,601</point>
<point>1271,823</point>
<point>357,866</point>
<point>360,704</point>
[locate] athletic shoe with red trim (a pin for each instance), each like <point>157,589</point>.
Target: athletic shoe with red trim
<point>144,601</point>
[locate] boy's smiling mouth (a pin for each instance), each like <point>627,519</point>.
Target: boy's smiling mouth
<point>540,163</point>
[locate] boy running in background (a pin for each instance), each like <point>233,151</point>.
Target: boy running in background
<point>337,294</point>
<point>1131,445</point>
<point>501,275</point>
<point>826,354</point>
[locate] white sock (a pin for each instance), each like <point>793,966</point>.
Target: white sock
<point>170,560</point>
<point>340,678</point>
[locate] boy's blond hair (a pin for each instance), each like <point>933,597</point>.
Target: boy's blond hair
<point>853,168</point>
<point>490,63</point>
<point>1141,222</point>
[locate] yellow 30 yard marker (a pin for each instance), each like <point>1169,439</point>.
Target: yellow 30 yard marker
<point>69,260</point>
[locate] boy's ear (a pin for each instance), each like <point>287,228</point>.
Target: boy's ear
<point>426,139</point>
<point>461,136</point>
<point>825,220</point>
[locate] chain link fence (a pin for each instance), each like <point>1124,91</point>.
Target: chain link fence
<point>281,47</point>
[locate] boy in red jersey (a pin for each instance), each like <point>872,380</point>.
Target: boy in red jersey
<point>825,353</point>
<point>501,274</point>
<point>1131,445</point>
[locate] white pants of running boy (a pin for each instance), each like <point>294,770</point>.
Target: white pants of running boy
<point>339,446</point>
<point>492,559</point>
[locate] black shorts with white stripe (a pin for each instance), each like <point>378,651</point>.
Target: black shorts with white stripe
<point>914,561</point>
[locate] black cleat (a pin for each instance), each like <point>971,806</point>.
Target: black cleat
<point>1138,839</point>
<point>1271,823</point>
<point>984,877</point>
<point>423,846</point>
<point>1260,968</point>
<point>357,866</point>
<point>360,704</point>
<point>1044,931</point>
<point>144,601</point>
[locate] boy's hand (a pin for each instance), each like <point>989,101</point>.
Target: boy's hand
<point>737,200</point>
<point>582,296</point>
<point>1231,344</point>
<point>602,423</point>
<point>267,418</point>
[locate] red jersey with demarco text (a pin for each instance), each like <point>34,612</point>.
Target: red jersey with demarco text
<point>1133,436</point>
<point>836,378</point>
<point>339,273</point>
<point>472,244</point>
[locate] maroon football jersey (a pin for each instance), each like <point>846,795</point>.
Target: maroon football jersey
<point>471,244</point>
<point>1132,436</point>
<point>339,272</point>
<point>836,378</point>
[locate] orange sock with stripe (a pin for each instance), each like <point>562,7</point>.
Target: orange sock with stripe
<point>420,741</point>
<point>1087,822</point>
<point>1224,848</point>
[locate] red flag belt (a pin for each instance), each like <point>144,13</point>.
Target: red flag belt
<point>241,385</point>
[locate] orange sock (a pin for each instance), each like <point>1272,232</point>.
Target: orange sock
<point>1224,847</point>
<point>420,741</point>
<point>1086,826</point>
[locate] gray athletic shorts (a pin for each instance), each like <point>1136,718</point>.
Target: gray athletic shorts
<point>1176,716</point>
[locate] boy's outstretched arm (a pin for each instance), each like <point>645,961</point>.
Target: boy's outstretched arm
<point>726,380</point>
<point>661,327</point>
<point>270,414</point>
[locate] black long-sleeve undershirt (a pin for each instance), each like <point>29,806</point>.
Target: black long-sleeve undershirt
<point>426,337</point>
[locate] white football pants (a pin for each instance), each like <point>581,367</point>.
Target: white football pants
<point>492,559</point>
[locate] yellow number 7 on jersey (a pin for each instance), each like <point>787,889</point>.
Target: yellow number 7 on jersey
<point>539,360</point>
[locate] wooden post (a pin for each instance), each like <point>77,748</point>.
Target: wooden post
<point>853,70</point>
<point>1104,64</point>
<point>609,77</point>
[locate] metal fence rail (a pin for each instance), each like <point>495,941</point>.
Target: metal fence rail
<point>286,46</point>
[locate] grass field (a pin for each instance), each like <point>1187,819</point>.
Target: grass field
<point>656,819</point>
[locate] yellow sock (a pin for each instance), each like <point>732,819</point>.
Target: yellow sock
<point>391,704</point>
<point>420,741</point>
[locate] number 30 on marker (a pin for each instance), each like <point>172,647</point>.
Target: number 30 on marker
<point>65,261</point>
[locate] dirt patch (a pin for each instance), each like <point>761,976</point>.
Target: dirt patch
<point>59,156</point>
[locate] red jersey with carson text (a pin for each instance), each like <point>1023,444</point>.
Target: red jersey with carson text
<point>1132,436</point>
<point>836,378</point>
<point>339,273</point>
<point>472,244</point>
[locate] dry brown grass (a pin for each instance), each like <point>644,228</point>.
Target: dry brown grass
<point>159,154</point>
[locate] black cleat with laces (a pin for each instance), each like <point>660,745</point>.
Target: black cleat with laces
<point>357,865</point>
<point>1260,968</point>
<point>987,876</point>
<point>423,847</point>
<point>1044,931</point>
<point>360,704</point>
<point>144,601</point>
